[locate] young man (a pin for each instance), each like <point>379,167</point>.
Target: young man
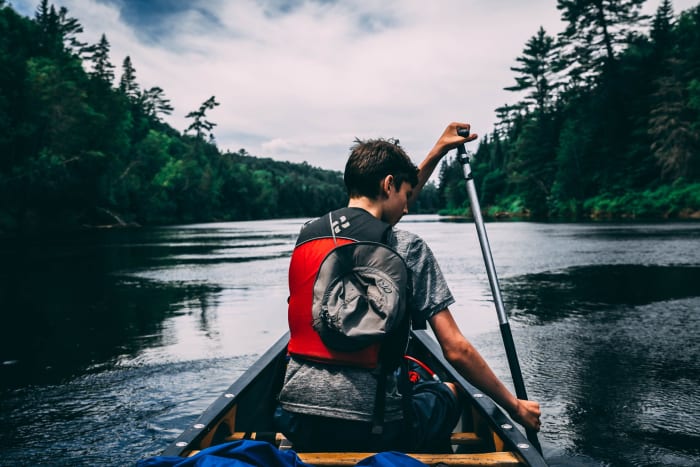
<point>329,397</point>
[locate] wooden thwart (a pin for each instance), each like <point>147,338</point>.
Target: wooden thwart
<point>345,459</point>
<point>466,439</point>
<point>278,437</point>
<point>462,439</point>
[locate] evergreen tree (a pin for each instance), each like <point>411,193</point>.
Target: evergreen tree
<point>76,151</point>
<point>662,26</point>
<point>58,31</point>
<point>69,28</point>
<point>597,31</point>
<point>127,83</point>
<point>102,68</point>
<point>510,119</point>
<point>674,140</point>
<point>47,21</point>
<point>154,103</point>
<point>537,72</point>
<point>674,118</point>
<point>199,125</point>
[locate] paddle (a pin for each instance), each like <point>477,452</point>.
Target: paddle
<point>493,281</point>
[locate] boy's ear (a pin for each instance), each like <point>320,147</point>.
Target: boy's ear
<point>387,184</point>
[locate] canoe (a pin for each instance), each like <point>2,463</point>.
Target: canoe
<point>484,436</point>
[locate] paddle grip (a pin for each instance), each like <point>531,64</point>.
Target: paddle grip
<point>463,132</point>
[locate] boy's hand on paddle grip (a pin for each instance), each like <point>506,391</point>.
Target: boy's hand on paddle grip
<point>527,413</point>
<point>455,134</point>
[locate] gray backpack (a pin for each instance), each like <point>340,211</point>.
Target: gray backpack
<point>359,296</point>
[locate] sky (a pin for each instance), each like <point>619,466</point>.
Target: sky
<point>299,80</point>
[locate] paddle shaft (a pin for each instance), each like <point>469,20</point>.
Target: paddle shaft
<point>504,325</point>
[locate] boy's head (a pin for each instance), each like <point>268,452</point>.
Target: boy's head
<point>371,161</point>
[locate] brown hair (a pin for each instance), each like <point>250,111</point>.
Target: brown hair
<point>371,161</point>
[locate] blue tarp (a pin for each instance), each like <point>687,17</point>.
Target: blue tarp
<point>249,453</point>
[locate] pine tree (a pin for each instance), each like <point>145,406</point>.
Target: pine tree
<point>199,124</point>
<point>154,102</point>
<point>69,28</point>
<point>127,83</point>
<point>58,31</point>
<point>101,66</point>
<point>537,71</point>
<point>662,26</point>
<point>596,31</point>
<point>675,139</point>
<point>47,20</point>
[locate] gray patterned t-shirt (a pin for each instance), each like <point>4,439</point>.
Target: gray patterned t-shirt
<point>346,392</point>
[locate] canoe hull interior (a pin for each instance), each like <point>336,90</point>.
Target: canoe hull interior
<point>246,409</point>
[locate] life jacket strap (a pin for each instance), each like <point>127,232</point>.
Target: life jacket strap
<point>379,402</point>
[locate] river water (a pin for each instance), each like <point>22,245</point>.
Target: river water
<point>114,341</point>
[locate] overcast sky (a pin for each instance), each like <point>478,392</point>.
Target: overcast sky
<point>298,80</point>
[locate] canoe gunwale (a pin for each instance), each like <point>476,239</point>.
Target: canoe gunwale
<point>225,402</point>
<point>210,420</point>
<point>514,440</point>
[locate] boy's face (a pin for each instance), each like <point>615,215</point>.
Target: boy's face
<point>396,202</point>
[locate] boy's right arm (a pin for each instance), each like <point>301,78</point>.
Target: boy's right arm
<point>471,365</point>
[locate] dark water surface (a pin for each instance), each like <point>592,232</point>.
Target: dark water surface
<point>114,341</point>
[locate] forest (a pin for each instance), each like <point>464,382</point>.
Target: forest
<point>606,125</point>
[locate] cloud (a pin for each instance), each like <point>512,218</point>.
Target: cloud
<point>299,80</point>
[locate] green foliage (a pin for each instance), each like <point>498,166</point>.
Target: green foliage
<point>617,136</point>
<point>76,150</point>
<point>511,206</point>
<point>596,32</point>
<point>199,124</point>
<point>678,200</point>
<point>127,83</point>
<point>537,71</point>
<point>452,191</point>
<point>428,200</point>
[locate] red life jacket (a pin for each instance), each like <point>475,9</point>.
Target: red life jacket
<point>315,241</point>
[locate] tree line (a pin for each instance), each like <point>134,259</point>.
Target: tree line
<point>607,124</point>
<point>79,147</point>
